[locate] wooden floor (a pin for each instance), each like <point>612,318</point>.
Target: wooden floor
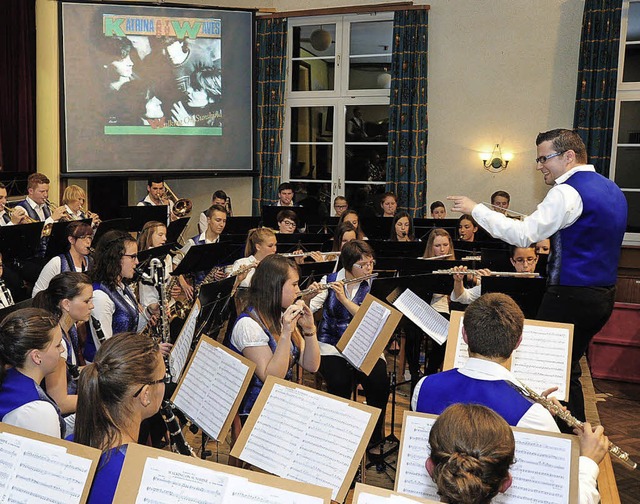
<point>616,405</point>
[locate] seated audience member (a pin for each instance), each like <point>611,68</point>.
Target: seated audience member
<point>351,216</point>
<point>30,349</point>
<point>339,304</point>
<point>472,449</point>
<point>287,221</point>
<point>402,228</point>
<point>285,195</point>
<point>438,210</point>
<point>340,204</point>
<point>218,198</point>
<point>121,388</point>
<point>467,228</point>
<point>500,201</point>
<point>524,259</point>
<point>543,247</point>
<point>389,204</point>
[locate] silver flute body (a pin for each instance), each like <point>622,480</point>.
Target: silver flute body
<point>322,287</point>
<point>516,274</point>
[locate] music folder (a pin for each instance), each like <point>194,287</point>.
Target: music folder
<point>159,252</point>
<point>122,224</point>
<point>205,257</point>
<point>176,228</point>
<point>20,242</point>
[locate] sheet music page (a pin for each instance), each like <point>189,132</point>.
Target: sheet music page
<point>366,333</point>
<point>542,470</point>
<point>167,481</point>
<point>306,437</point>
<point>180,351</point>
<point>367,498</point>
<point>34,471</point>
<point>210,388</point>
<point>423,315</point>
<point>412,476</point>
<point>542,359</point>
<point>249,492</point>
<point>462,349</point>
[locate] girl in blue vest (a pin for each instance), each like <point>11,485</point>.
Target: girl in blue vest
<point>275,331</point>
<point>340,303</point>
<point>123,386</point>
<point>70,298</point>
<point>30,348</point>
<point>115,306</point>
<point>76,258</point>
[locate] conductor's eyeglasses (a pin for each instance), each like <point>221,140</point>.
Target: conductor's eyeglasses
<point>544,159</point>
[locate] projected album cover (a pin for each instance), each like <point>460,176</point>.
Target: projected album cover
<point>154,88</point>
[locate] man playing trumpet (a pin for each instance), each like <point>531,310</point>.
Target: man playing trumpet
<point>36,202</point>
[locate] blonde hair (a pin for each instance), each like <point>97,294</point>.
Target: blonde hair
<point>73,193</point>
<point>428,251</point>
<point>146,235</point>
<point>255,237</point>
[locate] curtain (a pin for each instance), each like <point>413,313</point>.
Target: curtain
<point>408,128</point>
<point>272,53</point>
<point>17,85</point>
<point>597,79</point>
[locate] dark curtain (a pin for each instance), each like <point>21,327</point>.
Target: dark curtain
<point>272,55</point>
<point>597,79</point>
<point>408,122</point>
<point>17,85</point>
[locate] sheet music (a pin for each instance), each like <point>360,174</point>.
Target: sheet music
<point>249,492</point>
<point>542,359</point>
<point>462,349</point>
<point>369,498</point>
<point>34,471</point>
<point>210,388</point>
<point>540,474</point>
<point>366,333</point>
<point>180,351</point>
<point>304,436</point>
<point>423,315</point>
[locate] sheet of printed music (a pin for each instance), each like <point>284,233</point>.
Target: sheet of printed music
<point>423,315</point>
<point>366,333</point>
<point>540,474</point>
<point>180,351</point>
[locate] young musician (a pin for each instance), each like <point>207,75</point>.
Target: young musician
<point>287,221</point>
<point>74,199</point>
<point>156,195</point>
<point>285,195</point>
<point>340,303</point>
<point>218,198</point>
<point>467,228</point>
<point>261,243</point>
<point>30,348</point>
<point>389,204</point>
<point>524,259</point>
<point>543,247</point>
<point>351,216</point>
<point>438,210</point>
<point>18,214</point>
<point>121,388</point>
<point>340,204</point>
<point>275,331</point>
<point>116,308</point>
<point>35,203</point>
<point>402,228</point>
<point>500,201</point>
<point>344,233</point>
<point>69,297</point>
<point>79,236</point>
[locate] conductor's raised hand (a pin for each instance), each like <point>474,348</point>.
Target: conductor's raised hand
<point>462,204</point>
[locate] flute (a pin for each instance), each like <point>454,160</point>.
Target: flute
<point>572,421</point>
<point>312,290</point>
<point>307,254</point>
<point>434,258</point>
<point>516,274</point>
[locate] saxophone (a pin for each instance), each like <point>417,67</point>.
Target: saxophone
<point>572,421</point>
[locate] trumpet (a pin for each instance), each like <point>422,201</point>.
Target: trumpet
<point>181,207</point>
<point>451,271</point>
<point>26,220</point>
<point>572,421</point>
<point>312,290</point>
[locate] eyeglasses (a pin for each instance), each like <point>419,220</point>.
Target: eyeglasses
<point>340,207</point>
<point>544,159</point>
<point>369,264</point>
<point>164,379</point>
<point>132,256</point>
<point>288,223</point>
<point>528,260</point>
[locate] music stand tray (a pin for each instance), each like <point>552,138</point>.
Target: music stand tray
<point>57,242</point>
<point>20,242</point>
<point>120,224</point>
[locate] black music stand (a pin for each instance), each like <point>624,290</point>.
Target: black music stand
<point>122,224</point>
<point>20,242</point>
<point>314,271</point>
<point>270,215</point>
<point>376,228</point>
<point>301,238</point>
<point>57,242</point>
<point>142,214</point>
<point>215,305</point>
<point>159,252</point>
<point>526,292</point>
<point>327,226</point>
<point>396,249</point>
<point>412,265</point>
<point>27,303</point>
<point>176,228</point>
<point>241,225</point>
<point>205,257</point>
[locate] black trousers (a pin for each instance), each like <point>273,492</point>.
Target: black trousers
<point>340,375</point>
<point>588,309</point>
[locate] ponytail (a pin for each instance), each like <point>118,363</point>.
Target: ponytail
<point>66,285</point>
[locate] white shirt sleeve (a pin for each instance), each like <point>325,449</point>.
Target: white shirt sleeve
<point>588,472</point>
<point>318,300</point>
<point>468,296</point>
<point>248,333</point>
<point>202,223</point>
<point>37,416</point>
<point>560,208</point>
<point>539,418</point>
<point>148,294</point>
<point>103,310</point>
<point>416,393</point>
<point>51,269</point>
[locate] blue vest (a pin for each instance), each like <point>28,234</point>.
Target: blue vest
<point>17,390</point>
<point>438,391</point>
<point>104,484</point>
<point>255,386</point>
<point>125,316</point>
<point>32,213</point>
<point>586,253</point>
<point>66,263</point>
<point>335,317</point>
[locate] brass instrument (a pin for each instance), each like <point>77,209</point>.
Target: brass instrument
<point>181,207</point>
<point>27,219</point>
<point>322,287</point>
<point>451,271</point>
<point>572,421</point>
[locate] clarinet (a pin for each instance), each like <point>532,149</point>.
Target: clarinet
<point>98,328</point>
<point>178,442</point>
<point>7,294</point>
<point>572,421</point>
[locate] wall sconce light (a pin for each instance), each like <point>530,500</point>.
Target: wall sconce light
<point>495,162</point>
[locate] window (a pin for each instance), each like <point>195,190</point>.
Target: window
<point>337,109</point>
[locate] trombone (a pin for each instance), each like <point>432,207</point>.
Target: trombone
<point>181,207</point>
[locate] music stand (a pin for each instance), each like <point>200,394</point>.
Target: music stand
<point>215,300</point>
<point>120,224</point>
<point>397,249</point>
<point>294,238</point>
<point>526,292</point>
<point>142,214</point>
<point>376,228</point>
<point>314,271</point>
<point>270,215</point>
<point>176,228</point>
<point>159,252</point>
<point>241,225</point>
<point>18,306</point>
<point>20,242</point>
<point>205,257</point>
<point>328,226</point>
<point>57,242</point>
